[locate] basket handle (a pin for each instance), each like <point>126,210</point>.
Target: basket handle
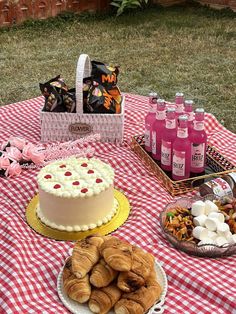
<point>83,70</point>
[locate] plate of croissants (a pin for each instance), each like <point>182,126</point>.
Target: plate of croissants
<point>107,275</point>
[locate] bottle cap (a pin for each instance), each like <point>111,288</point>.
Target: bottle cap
<point>179,95</point>
<point>183,117</point>
<point>170,109</point>
<point>188,102</point>
<point>199,110</point>
<point>160,101</point>
<point>152,94</point>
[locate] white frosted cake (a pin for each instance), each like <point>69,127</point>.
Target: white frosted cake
<point>76,194</point>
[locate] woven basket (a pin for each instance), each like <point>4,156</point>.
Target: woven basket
<point>65,126</point>
<point>218,164</point>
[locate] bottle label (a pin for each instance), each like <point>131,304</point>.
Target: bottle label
<point>178,163</point>
<point>147,137</point>
<point>197,155</point>
<point>190,116</point>
<point>180,108</point>
<point>182,132</point>
<point>220,187</point>
<point>154,148</point>
<point>170,123</point>
<point>166,153</point>
<point>160,115</point>
<point>198,125</point>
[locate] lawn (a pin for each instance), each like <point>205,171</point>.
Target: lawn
<point>190,49</point>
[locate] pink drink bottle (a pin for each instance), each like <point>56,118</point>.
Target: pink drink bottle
<point>149,120</point>
<point>157,129</point>
<point>179,101</point>
<point>181,151</point>
<point>188,109</point>
<point>198,140</point>
<point>168,137</point>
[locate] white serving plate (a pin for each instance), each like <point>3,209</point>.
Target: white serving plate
<point>77,308</point>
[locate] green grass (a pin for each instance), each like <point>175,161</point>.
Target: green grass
<point>190,49</point>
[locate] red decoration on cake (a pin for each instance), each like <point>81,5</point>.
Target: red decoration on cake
<point>98,180</point>
<point>84,165</point>
<point>68,173</point>
<point>62,166</point>
<point>57,186</point>
<point>76,183</point>
<point>90,171</point>
<point>84,190</point>
<point>48,176</point>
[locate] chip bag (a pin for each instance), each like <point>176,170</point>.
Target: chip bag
<point>53,93</point>
<point>58,98</point>
<point>103,95</point>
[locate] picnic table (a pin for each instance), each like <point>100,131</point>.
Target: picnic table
<point>30,263</point>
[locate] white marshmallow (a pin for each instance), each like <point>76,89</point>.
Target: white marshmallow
<point>206,241</point>
<point>221,241</point>
<point>198,208</point>
<point>232,239</point>
<point>211,224</point>
<point>200,220</point>
<point>210,207</point>
<point>200,232</point>
<point>218,216</point>
<point>213,235</point>
<point>223,229</point>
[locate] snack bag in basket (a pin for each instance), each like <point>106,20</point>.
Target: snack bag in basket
<point>104,96</point>
<point>104,74</point>
<point>53,92</point>
<point>87,82</point>
<point>69,100</point>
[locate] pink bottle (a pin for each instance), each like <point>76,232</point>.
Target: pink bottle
<point>157,129</point>
<point>179,102</point>
<point>168,137</point>
<point>181,151</point>
<point>198,140</point>
<point>188,110</point>
<point>149,120</point>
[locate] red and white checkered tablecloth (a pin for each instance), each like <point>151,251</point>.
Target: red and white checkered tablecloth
<point>30,263</point>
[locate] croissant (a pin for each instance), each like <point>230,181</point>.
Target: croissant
<point>129,281</point>
<point>141,299</point>
<point>143,262</point>
<point>102,274</point>
<point>85,255</point>
<point>102,300</point>
<point>77,289</point>
<point>125,306</point>
<point>117,253</point>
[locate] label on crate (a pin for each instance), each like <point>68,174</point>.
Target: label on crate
<point>80,128</point>
<point>166,153</point>
<point>220,187</point>
<point>178,163</point>
<point>147,137</point>
<point>197,155</point>
<point>154,147</point>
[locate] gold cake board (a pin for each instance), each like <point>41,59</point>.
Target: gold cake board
<point>117,220</point>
